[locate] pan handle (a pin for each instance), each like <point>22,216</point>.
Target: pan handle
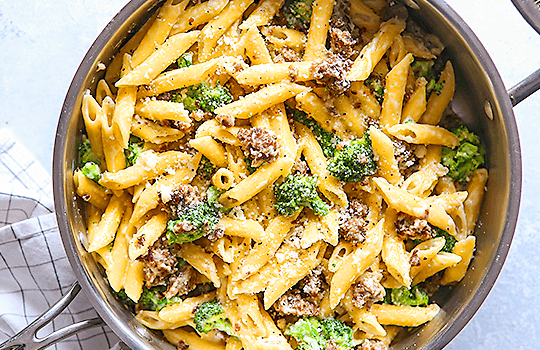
<point>525,88</point>
<point>27,339</point>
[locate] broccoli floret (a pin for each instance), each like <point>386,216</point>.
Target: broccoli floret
<point>86,155</point>
<point>308,332</point>
<point>376,83</point>
<point>422,68</point>
<point>91,170</point>
<point>206,169</point>
<point>201,220</point>
<point>249,165</point>
<point>212,195</point>
<point>408,297</point>
<point>134,149</point>
<point>326,140</point>
<point>152,299</point>
<point>297,13</point>
<point>466,158</point>
<point>204,97</point>
<point>450,241</point>
<point>354,161</point>
<point>299,191</point>
<point>89,162</point>
<point>210,315</point>
<point>185,60</point>
<point>314,334</point>
<point>122,296</point>
<point>432,86</point>
<point>337,331</point>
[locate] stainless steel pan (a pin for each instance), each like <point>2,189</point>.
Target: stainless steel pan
<point>481,100</point>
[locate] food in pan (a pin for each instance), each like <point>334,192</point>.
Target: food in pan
<point>279,174</point>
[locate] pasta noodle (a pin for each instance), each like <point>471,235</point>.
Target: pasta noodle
<point>257,158</point>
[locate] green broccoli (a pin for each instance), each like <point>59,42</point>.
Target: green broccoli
<point>314,334</point>
<point>152,299</point>
<point>200,220</point>
<point>450,241</point>
<point>89,162</point>
<point>354,161</point>
<point>204,97</point>
<point>337,331</point>
<point>376,83</point>
<point>326,140</point>
<point>249,165</point>
<point>92,171</point>
<point>134,149</point>
<point>466,158</point>
<point>432,86</point>
<point>206,169</point>
<point>86,155</point>
<point>407,297</point>
<point>297,13</point>
<point>299,191</point>
<point>185,60</point>
<point>423,68</point>
<point>210,315</point>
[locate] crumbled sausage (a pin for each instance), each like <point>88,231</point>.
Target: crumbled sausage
<point>286,54</point>
<point>181,282</point>
<point>166,96</point>
<point>353,222</point>
<point>407,160</point>
<point>429,41</point>
<point>158,264</point>
<point>179,200</point>
<point>175,124</point>
<point>408,227</point>
<point>414,259</point>
<point>314,284</point>
<point>300,166</point>
<point>200,115</point>
<point>182,345</point>
<point>293,303</point>
<point>369,122</point>
<point>342,43</point>
<point>331,345</point>
<point>226,120</point>
<point>215,234</point>
<point>373,344</point>
<point>340,16</point>
<point>259,144</point>
<point>332,72</point>
<point>368,290</point>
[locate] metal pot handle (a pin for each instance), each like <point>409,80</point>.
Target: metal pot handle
<point>27,339</point>
<point>525,88</point>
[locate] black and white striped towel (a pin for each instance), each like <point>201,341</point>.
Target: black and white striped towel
<point>34,269</point>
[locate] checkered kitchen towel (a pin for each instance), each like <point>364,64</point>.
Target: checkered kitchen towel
<point>34,269</point>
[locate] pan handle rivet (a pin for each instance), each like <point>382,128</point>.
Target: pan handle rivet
<point>488,109</point>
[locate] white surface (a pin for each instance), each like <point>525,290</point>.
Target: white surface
<point>42,43</point>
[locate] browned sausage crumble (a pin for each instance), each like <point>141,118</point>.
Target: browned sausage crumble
<point>408,227</point>
<point>259,144</point>
<point>332,73</point>
<point>368,290</point>
<point>353,222</point>
<point>373,344</point>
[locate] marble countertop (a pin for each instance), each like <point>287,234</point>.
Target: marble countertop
<point>42,43</point>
